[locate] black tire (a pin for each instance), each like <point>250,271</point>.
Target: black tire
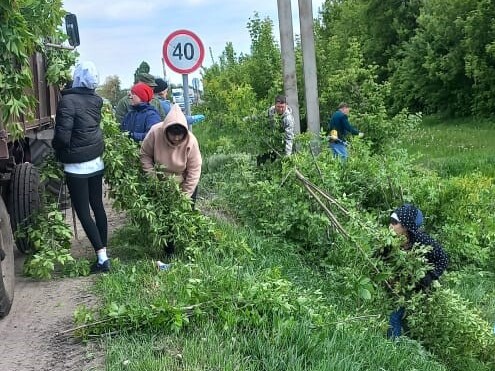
<point>40,151</point>
<point>24,199</point>
<point>7,272</point>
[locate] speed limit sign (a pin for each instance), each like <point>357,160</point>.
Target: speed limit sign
<point>183,51</point>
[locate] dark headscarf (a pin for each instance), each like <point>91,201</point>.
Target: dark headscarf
<point>409,216</point>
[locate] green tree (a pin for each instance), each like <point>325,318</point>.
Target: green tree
<point>254,78</point>
<point>430,69</point>
<point>380,26</point>
<point>264,66</point>
<point>221,78</point>
<point>111,90</point>
<point>479,44</point>
<point>24,26</point>
<point>387,24</point>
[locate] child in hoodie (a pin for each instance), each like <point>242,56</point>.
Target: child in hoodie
<point>142,116</point>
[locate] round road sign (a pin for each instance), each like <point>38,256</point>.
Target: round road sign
<point>183,51</point>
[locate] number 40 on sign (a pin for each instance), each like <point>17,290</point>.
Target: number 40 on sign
<point>183,51</point>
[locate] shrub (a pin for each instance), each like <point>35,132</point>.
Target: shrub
<point>451,328</point>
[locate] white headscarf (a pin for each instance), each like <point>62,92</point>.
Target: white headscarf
<point>86,76</point>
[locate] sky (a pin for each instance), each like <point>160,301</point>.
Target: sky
<point>118,36</point>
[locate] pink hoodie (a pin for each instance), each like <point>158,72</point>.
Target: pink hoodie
<point>182,160</point>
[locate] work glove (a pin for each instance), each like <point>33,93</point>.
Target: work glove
<point>197,118</point>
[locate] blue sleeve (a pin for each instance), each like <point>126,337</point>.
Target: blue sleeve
<point>124,125</point>
<point>439,259</point>
<point>329,124</point>
<point>189,120</point>
<point>195,119</point>
<point>348,127</point>
<point>138,136</point>
<point>166,105</point>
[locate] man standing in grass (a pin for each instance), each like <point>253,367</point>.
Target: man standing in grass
<point>281,115</point>
<point>339,127</point>
<point>282,121</point>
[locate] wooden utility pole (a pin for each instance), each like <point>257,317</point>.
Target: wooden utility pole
<point>289,59</point>
<point>309,62</point>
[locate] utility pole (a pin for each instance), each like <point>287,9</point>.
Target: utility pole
<point>289,59</point>
<point>309,62</point>
<point>164,70</point>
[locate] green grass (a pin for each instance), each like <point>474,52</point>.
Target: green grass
<point>476,286</point>
<point>210,348</point>
<point>210,342</point>
<point>207,343</point>
<point>456,147</point>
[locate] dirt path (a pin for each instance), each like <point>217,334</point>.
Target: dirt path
<point>28,340</point>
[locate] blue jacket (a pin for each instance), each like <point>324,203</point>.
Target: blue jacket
<point>139,120</point>
<point>340,122</point>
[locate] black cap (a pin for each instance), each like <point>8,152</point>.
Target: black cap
<point>161,85</point>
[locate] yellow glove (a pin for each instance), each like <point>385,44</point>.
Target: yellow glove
<point>334,135</point>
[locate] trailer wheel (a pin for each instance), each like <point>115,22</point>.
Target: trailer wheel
<point>7,273</point>
<point>24,199</point>
<point>41,150</point>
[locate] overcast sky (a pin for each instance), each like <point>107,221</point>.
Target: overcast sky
<point>118,35</point>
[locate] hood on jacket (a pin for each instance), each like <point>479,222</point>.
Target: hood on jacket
<point>175,116</point>
<point>86,76</point>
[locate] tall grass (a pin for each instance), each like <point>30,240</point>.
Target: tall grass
<point>290,343</point>
<point>210,348</point>
<point>456,147</point>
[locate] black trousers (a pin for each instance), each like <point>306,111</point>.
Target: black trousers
<point>86,193</point>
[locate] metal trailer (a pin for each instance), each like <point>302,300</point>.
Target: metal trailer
<point>20,185</point>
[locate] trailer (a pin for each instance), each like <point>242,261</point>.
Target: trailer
<point>20,185</point>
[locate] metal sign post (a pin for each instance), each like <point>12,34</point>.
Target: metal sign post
<point>184,52</point>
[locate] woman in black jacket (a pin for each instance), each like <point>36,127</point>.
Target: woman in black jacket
<point>78,144</point>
